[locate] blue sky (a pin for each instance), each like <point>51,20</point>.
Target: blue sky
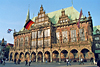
<point>13,12</point>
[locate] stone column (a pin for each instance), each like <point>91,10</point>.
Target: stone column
<point>43,57</point>
<point>51,56</point>
<point>30,56</point>
<point>13,57</point>
<point>79,54</point>
<point>59,57</point>
<point>69,54</point>
<point>36,57</point>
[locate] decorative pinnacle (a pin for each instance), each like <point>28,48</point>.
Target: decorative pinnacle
<point>89,13</point>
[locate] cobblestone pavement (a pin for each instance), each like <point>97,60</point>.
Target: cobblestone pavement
<point>11,64</point>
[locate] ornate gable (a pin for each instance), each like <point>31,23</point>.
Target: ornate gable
<point>42,18</point>
<point>64,18</point>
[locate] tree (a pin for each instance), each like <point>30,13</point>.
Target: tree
<point>7,51</point>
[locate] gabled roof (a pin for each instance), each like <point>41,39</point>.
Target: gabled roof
<point>96,28</point>
<point>70,11</point>
<point>54,16</point>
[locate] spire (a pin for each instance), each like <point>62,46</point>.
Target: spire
<point>28,16</point>
<point>3,40</point>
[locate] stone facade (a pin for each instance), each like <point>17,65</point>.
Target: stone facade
<point>47,41</point>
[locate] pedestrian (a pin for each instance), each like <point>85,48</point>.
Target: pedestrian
<point>26,62</point>
<point>18,61</point>
<point>68,62</point>
<point>29,62</point>
<point>4,61</point>
<point>98,63</point>
<point>81,61</point>
<point>1,61</point>
<point>91,60</point>
<point>15,61</point>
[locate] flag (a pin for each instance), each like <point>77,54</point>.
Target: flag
<point>78,24</point>
<point>9,30</point>
<point>28,24</point>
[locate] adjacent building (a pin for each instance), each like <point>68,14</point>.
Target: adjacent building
<point>96,42</point>
<point>2,48</point>
<point>54,37</point>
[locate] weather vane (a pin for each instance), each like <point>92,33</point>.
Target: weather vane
<point>72,2</point>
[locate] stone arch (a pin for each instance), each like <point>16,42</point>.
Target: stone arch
<point>27,56</point>
<point>55,56</point>
<point>74,55</point>
<point>16,56</point>
<point>33,56</point>
<point>47,56</point>
<point>40,56</point>
<point>85,53</point>
<point>64,55</point>
<point>22,57</point>
<point>11,56</point>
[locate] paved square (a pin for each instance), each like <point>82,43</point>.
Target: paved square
<point>11,64</point>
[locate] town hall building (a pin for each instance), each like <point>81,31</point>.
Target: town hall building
<point>54,37</point>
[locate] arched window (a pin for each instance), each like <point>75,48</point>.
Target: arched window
<point>33,44</point>
<point>34,35</point>
<point>21,41</point>
<point>58,37</point>
<point>73,36</point>
<point>64,36</point>
<point>26,41</point>
<point>16,43</point>
<point>81,34</point>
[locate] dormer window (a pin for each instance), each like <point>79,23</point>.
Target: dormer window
<point>97,31</point>
<point>96,38</point>
<point>42,19</point>
<point>42,15</point>
<point>61,21</point>
<point>39,16</point>
<point>66,20</point>
<point>39,20</point>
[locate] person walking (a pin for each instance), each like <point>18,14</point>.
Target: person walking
<point>15,61</point>
<point>68,62</point>
<point>26,62</point>
<point>81,61</point>
<point>98,63</point>
<point>29,62</point>
<point>91,60</point>
<point>4,61</point>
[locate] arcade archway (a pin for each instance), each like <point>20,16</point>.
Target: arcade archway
<point>27,56</point>
<point>11,56</point>
<point>74,55</point>
<point>64,55</point>
<point>22,56</point>
<point>16,56</point>
<point>47,56</point>
<point>40,57</point>
<point>33,57</point>
<point>55,56</point>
